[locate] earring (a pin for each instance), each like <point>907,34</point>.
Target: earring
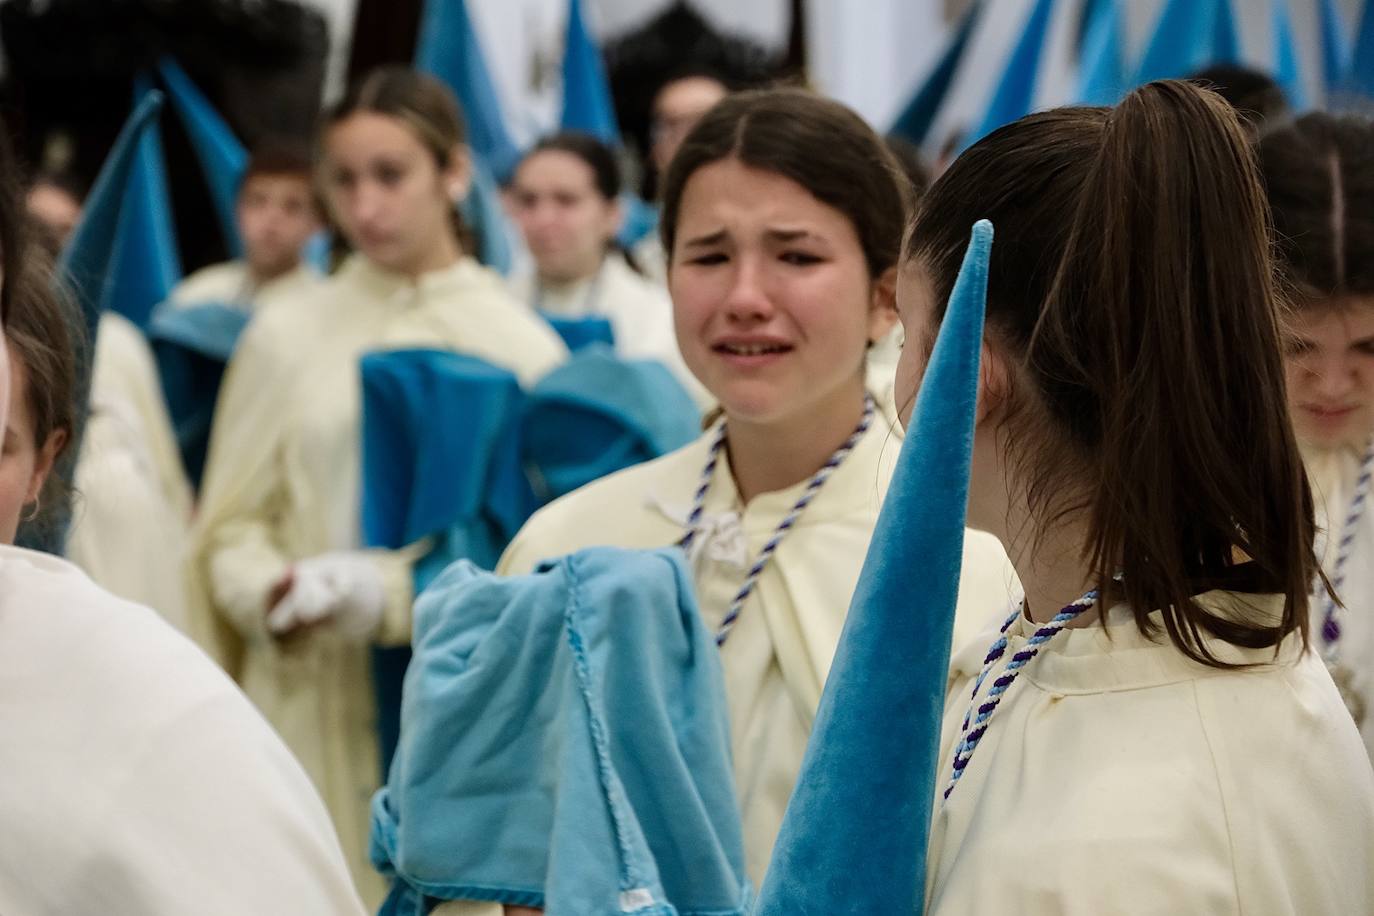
<point>32,514</point>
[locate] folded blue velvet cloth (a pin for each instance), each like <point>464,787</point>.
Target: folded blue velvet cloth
<point>441,456</point>
<point>440,460</point>
<point>564,744</point>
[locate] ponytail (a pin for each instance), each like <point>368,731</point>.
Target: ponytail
<point>1135,294</point>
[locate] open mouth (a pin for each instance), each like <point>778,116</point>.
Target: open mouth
<point>753,349</point>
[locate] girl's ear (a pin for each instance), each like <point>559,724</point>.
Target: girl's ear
<point>457,174</point>
<point>43,463</point>
<point>994,384</point>
<point>615,218</point>
<point>882,311</point>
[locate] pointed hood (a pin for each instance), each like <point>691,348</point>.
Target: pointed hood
<point>913,124</point>
<point>1189,35</point>
<point>1287,65</point>
<point>1102,68</point>
<point>1014,96</point>
<point>1360,77</point>
<point>448,48</point>
<point>123,252</point>
<point>222,157</point>
<point>587,103</point>
<point>1335,46</point>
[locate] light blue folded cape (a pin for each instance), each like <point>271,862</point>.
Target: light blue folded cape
<point>582,332</point>
<point>564,744</point>
<point>599,413</point>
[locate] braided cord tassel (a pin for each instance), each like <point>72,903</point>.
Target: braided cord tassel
<point>1331,623</point>
<point>812,488</point>
<point>964,752</point>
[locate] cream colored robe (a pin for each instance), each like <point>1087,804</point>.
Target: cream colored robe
<point>230,284</point>
<point>138,780</point>
<point>639,310</point>
<point>1119,777</point>
<point>281,485</point>
<point>777,657</point>
<point>131,515</point>
<point>1333,475</point>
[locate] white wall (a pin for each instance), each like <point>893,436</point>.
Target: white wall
<point>338,16</point>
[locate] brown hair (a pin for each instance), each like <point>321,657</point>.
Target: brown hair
<point>1319,174</point>
<point>44,330</point>
<point>1258,100</point>
<point>817,143</point>
<point>423,104</point>
<point>1131,285</point>
<point>598,157</point>
<point>13,225</point>
<point>279,157</point>
<point>421,101</point>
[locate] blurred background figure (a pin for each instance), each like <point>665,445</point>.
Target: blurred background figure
<point>278,547</point>
<point>677,107</point>
<point>564,197</point>
<point>1319,173</point>
<point>54,202</point>
<point>122,503</point>
<point>42,338</point>
<point>1257,98</point>
<point>276,215</point>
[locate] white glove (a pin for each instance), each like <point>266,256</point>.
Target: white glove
<point>345,587</point>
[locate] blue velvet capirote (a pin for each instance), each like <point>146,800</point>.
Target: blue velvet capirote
<point>855,834</point>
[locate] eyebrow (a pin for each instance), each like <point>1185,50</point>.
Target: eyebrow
<point>789,235</point>
<point>779,235</point>
<point>701,241</point>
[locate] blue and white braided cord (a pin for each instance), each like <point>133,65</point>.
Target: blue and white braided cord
<point>784,527</point>
<point>970,739</point>
<point>699,498</point>
<point>998,649</point>
<point>1331,624</point>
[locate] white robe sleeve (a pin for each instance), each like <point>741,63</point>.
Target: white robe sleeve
<point>238,558</point>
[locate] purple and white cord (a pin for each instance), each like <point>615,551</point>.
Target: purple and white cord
<point>766,554</point>
<point>970,737</point>
<point>1331,618</point>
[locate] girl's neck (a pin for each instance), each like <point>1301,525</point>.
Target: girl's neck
<point>586,274</point>
<point>443,254</point>
<point>774,455</point>
<point>1051,565</point>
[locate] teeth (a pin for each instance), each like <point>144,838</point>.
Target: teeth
<point>751,349</point>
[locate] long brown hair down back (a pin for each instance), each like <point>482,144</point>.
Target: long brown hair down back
<point>1131,284</point>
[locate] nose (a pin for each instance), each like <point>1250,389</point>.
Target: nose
<point>543,215</point>
<point>1334,377</point>
<point>365,203</point>
<point>747,301</point>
